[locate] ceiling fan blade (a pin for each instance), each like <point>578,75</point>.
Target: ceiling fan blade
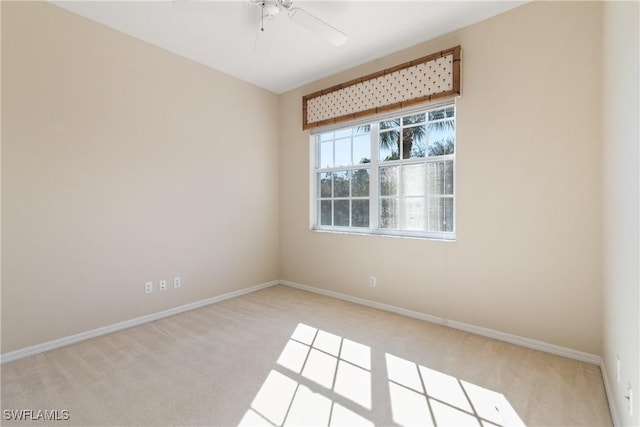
<point>318,26</point>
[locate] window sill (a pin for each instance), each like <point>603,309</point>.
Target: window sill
<point>448,238</point>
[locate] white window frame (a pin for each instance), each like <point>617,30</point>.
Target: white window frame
<point>374,166</point>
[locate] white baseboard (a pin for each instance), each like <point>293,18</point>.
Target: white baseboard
<point>365,302</point>
<point>609,392</point>
<point>527,342</point>
<point>489,333</point>
<point>61,342</point>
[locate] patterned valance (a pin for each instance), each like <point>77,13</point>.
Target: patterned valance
<point>426,79</point>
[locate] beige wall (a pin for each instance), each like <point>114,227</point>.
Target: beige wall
<point>527,259</point>
<point>123,163</point>
<point>621,214</point>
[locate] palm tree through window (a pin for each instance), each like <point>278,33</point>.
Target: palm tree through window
<point>392,176</point>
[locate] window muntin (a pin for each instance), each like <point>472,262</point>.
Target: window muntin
<point>393,176</point>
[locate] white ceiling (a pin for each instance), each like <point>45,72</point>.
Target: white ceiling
<point>222,34</point>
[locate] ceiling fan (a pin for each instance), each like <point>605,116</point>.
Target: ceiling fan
<point>271,8</point>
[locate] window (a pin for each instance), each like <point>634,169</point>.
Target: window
<point>392,176</point>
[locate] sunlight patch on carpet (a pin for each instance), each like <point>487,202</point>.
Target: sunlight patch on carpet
<point>321,378</point>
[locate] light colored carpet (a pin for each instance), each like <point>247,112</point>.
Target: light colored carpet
<point>282,356</point>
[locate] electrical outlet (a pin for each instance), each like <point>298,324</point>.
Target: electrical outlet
<point>148,287</point>
<point>177,282</point>
<point>372,281</point>
<point>163,285</point>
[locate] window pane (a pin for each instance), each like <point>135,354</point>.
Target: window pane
<point>341,184</point>
<point>389,181</point>
<point>326,155</point>
<point>325,184</point>
<point>388,143</point>
<point>343,152</point>
<point>360,213</point>
<point>437,114</point>
<point>343,133</point>
<point>388,124</point>
<point>341,213</point>
<point>362,129</point>
<point>360,183</point>
<point>449,111</point>
<point>413,142</point>
<point>414,214</point>
<point>325,212</point>
<point>362,149</point>
<point>441,138</point>
<point>441,214</point>
<point>413,180</point>
<point>435,214</point>
<point>389,213</point>
<point>440,177</point>
<point>448,177</point>
<point>416,118</point>
<point>448,214</point>
<point>326,136</point>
